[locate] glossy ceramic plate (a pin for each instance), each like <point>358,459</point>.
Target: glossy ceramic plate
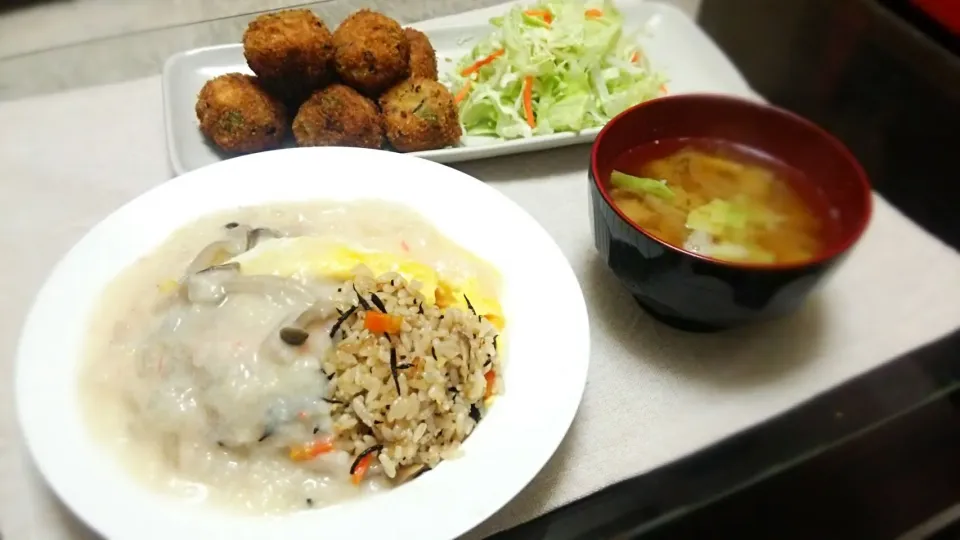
<point>544,375</point>
<point>675,45</point>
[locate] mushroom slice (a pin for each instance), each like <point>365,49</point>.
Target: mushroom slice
<point>409,472</point>
<point>257,235</point>
<point>208,285</point>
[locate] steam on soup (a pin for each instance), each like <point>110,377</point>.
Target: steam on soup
<point>720,200</point>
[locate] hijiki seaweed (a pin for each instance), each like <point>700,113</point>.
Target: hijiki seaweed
<point>475,413</point>
<point>361,455</point>
<point>346,315</point>
<point>393,364</point>
<point>469,305</point>
<point>377,302</point>
<point>361,300</point>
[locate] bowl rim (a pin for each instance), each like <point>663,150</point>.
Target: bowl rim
<point>835,249</point>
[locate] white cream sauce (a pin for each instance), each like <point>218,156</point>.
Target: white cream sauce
<point>201,399</point>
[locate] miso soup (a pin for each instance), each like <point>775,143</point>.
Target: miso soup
<point>721,200</point>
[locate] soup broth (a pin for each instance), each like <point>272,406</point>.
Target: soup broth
<point>721,200</point>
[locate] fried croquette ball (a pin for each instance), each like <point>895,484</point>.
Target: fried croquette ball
<point>338,116</point>
<point>370,52</point>
<point>423,59</point>
<point>291,51</point>
<point>419,114</point>
<point>239,115</point>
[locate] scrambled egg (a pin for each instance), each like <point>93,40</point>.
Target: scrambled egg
<point>313,257</point>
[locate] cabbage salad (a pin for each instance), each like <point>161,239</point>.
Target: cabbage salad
<point>559,65</point>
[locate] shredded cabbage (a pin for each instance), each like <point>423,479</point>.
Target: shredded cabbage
<point>717,217</point>
<point>641,185</point>
<point>721,229</point>
<point>584,69</point>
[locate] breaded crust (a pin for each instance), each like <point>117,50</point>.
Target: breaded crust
<point>419,114</point>
<point>423,59</point>
<point>338,116</point>
<point>370,52</point>
<point>239,115</point>
<point>291,51</point>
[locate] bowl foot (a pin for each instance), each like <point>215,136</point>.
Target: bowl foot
<point>680,323</point>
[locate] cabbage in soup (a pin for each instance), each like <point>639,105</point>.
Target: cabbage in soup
<point>719,200</point>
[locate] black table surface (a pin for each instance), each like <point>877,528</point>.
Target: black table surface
<point>886,81</point>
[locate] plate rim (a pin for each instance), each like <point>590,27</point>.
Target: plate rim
<point>26,406</point>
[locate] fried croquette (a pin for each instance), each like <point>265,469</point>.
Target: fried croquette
<point>239,115</point>
<point>370,52</point>
<point>338,116</point>
<point>291,52</point>
<point>419,114</point>
<point>423,59</point>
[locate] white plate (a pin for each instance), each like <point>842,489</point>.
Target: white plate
<point>546,364</point>
<point>675,46</point>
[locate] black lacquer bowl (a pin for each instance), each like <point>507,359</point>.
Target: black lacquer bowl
<point>698,293</point>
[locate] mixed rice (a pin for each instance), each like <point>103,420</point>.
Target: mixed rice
<point>408,382</point>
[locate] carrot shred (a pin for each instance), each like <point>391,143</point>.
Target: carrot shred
<point>404,246</point>
<point>528,101</point>
<point>635,56</point>
<point>379,323</point>
<point>311,449</point>
<point>463,93</point>
<point>491,377</point>
<point>663,89</point>
<point>473,68</point>
<point>361,469</point>
<point>593,13</point>
<point>540,14</point>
